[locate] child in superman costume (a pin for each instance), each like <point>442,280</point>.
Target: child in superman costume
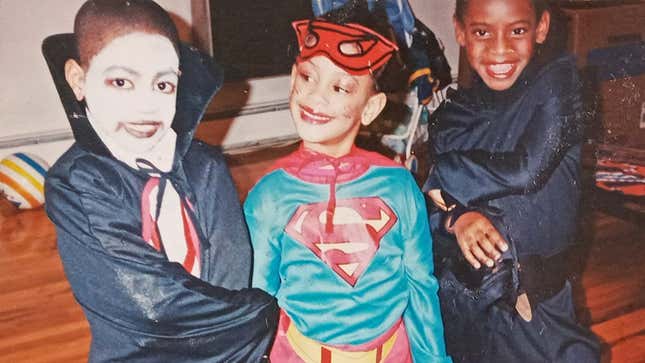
<point>340,234</point>
<point>149,227</point>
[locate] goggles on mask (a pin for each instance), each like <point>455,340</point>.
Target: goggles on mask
<point>355,48</point>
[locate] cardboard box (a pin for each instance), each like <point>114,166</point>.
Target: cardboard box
<point>602,24</point>
<point>608,43</point>
<point>622,112</point>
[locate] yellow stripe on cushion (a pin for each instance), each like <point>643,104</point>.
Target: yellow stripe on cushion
<point>15,167</point>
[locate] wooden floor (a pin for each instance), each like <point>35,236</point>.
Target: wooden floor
<point>41,322</point>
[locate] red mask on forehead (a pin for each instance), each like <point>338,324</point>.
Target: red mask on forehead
<point>356,49</point>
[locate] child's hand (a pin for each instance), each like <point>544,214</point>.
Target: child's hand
<point>478,239</point>
<point>437,199</point>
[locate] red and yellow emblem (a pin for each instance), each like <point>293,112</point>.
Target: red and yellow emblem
<point>359,225</point>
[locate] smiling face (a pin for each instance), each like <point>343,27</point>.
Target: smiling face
<point>328,105</point>
<point>499,37</point>
<point>130,88</point>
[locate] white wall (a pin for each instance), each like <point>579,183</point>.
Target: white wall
<point>30,109</point>
<point>437,15</point>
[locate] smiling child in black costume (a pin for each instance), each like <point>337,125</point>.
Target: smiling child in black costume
<point>506,183</point>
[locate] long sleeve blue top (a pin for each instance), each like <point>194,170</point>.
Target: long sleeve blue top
<point>351,283</point>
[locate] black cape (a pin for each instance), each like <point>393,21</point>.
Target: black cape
<point>515,155</point>
<point>141,307</point>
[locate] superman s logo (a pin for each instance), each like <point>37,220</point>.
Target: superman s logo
<point>359,225</point>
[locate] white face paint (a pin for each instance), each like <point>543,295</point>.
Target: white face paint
<point>131,90</point>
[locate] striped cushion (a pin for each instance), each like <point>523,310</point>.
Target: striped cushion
<point>22,179</point>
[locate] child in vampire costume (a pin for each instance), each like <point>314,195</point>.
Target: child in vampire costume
<point>340,234</point>
<point>149,226</point>
<point>507,155</point>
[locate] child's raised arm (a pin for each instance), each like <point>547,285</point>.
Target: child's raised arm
<point>471,176</point>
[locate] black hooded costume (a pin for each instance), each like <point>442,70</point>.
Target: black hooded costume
<point>514,156</point>
<point>142,307</point>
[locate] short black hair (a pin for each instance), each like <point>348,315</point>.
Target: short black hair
<point>100,21</point>
<point>540,6</point>
<point>390,77</point>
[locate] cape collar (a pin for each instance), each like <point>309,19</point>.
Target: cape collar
<point>315,167</point>
<point>200,80</point>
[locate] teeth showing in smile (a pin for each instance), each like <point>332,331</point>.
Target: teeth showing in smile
<point>500,69</point>
<point>314,118</point>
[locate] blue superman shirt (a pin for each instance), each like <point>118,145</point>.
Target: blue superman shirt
<point>344,245</point>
